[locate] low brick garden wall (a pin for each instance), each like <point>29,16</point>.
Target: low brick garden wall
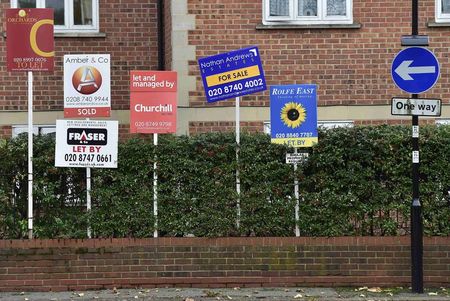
<point>68,264</point>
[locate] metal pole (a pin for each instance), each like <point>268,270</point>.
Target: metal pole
<point>155,187</point>
<point>416,215</point>
<point>416,207</point>
<point>88,198</point>
<point>30,155</point>
<point>297,199</point>
<point>238,180</point>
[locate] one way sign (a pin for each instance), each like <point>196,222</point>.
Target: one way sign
<point>415,70</point>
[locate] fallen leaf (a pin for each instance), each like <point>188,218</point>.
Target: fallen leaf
<point>298,296</point>
<point>189,299</point>
<point>432,294</point>
<point>80,295</point>
<point>236,288</point>
<point>362,296</point>
<point>364,288</point>
<point>390,294</point>
<point>229,298</point>
<point>375,290</point>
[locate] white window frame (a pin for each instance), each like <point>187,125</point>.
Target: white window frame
<point>37,129</point>
<point>294,19</point>
<point>440,17</point>
<point>442,121</point>
<point>332,124</point>
<point>69,17</point>
<point>323,124</point>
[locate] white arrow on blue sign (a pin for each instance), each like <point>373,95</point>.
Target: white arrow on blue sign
<point>415,70</point>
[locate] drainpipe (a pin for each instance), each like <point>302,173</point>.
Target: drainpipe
<point>161,29</point>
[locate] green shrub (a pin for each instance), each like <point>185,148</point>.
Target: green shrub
<point>357,181</point>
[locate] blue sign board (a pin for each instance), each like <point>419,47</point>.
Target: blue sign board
<point>293,115</point>
<point>415,70</point>
<point>232,74</point>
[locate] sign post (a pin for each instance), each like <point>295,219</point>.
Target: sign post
<point>228,75</point>
<point>153,109</point>
<point>415,70</point>
<point>293,119</point>
<point>28,50</point>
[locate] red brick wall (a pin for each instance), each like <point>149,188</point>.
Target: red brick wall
<point>5,131</point>
<point>168,34</point>
<point>42,265</point>
<point>350,66</point>
<point>131,39</point>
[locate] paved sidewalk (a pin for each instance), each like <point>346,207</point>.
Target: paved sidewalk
<point>237,294</point>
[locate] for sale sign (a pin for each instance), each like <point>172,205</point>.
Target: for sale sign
<point>87,85</point>
<point>153,104</point>
<point>29,43</point>
<point>86,143</point>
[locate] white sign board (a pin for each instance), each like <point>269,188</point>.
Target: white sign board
<point>86,143</point>
<point>296,158</point>
<point>418,107</point>
<point>87,85</point>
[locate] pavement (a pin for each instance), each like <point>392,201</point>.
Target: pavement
<point>237,294</point>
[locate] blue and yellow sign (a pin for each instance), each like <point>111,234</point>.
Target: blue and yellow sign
<point>293,115</point>
<point>232,74</point>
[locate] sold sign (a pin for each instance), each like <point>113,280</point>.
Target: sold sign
<point>29,43</point>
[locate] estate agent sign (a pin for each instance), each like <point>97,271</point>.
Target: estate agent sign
<point>87,85</point>
<point>29,42</point>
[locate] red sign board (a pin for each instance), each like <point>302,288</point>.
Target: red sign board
<point>29,39</point>
<point>153,106</point>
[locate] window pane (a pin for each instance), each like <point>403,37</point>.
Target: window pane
<point>58,6</point>
<point>307,7</point>
<point>26,4</point>
<point>82,12</point>
<point>279,7</point>
<point>336,7</point>
<point>445,6</point>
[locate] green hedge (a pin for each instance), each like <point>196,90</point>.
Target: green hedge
<point>357,181</point>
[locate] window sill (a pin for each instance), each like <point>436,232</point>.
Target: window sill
<point>311,26</point>
<point>80,35</point>
<point>75,34</point>
<point>436,24</point>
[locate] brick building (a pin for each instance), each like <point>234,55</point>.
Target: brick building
<point>346,47</point>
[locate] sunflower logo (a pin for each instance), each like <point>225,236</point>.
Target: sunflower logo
<point>293,114</point>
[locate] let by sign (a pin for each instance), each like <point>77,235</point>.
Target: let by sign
<point>29,39</point>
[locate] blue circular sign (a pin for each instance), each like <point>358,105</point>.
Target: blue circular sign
<point>415,70</point>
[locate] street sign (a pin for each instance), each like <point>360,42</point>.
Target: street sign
<point>86,143</point>
<point>153,102</point>
<point>419,107</point>
<point>232,74</point>
<point>415,70</point>
<point>296,158</point>
<point>87,85</point>
<point>293,115</point>
<point>29,43</point>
